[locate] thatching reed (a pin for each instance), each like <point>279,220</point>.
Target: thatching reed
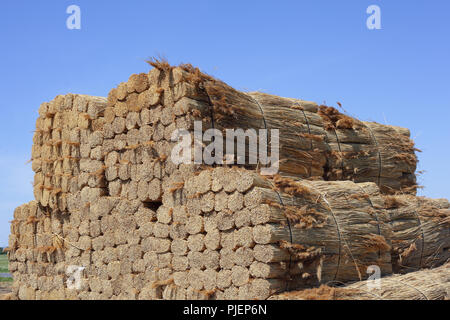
<point>315,141</point>
<point>427,284</point>
<point>110,200</point>
<point>421,232</point>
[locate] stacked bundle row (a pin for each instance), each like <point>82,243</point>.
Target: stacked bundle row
<point>36,260</point>
<point>249,237</point>
<point>315,141</point>
<point>221,233</point>
<point>67,149</point>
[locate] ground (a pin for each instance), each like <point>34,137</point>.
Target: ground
<point>5,283</point>
<point>3,263</point>
<point>5,288</point>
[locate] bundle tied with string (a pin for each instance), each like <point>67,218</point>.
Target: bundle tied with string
<point>427,284</point>
<point>421,232</point>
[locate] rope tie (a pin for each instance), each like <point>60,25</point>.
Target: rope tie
<point>419,222</point>
<point>374,139</point>
<point>211,114</point>
<point>291,239</point>
<point>423,235</point>
<point>309,132</point>
<point>278,194</point>
<point>340,151</point>
<point>338,228</point>
<point>340,237</point>
<point>265,123</point>
<point>376,215</point>
<point>260,109</point>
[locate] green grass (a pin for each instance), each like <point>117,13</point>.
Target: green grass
<point>6,280</point>
<point>3,263</point>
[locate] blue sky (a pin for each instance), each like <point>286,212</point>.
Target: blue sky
<point>314,50</point>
